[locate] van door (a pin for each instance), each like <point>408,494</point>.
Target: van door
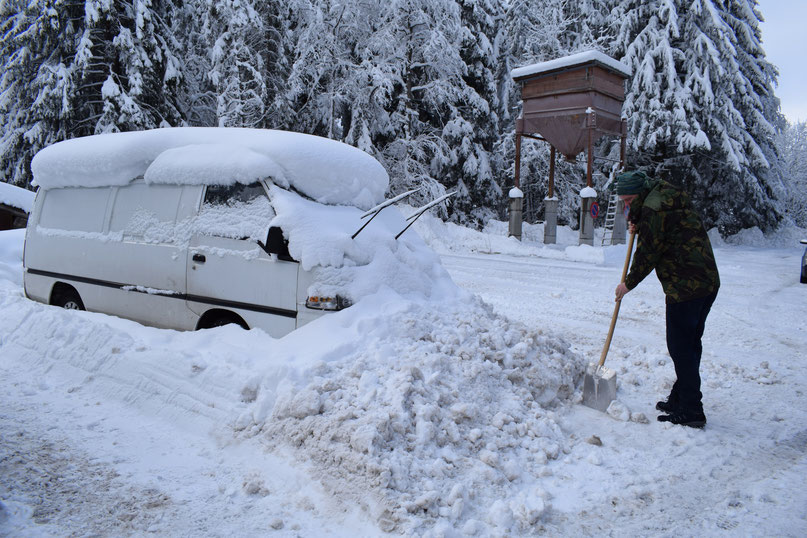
<point>227,270</point>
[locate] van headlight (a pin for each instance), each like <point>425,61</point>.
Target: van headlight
<point>321,302</point>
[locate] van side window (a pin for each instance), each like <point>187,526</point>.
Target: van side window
<point>231,194</point>
<point>147,211</point>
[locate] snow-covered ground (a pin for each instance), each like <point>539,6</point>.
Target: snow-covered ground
<point>429,417</point>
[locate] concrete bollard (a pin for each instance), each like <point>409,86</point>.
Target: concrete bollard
<point>550,221</point>
<point>516,209</point>
<point>587,197</point>
<point>620,225</point>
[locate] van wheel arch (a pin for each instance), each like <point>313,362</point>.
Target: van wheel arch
<point>219,318</point>
<point>66,296</point>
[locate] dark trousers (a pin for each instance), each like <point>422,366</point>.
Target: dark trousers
<point>685,323</point>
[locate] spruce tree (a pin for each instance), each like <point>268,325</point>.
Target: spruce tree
<point>75,68</point>
<point>700,105</point>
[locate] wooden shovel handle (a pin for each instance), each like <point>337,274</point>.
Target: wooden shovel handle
<point>616,306</point>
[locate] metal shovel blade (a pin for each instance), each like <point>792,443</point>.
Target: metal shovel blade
<point>599,387</point>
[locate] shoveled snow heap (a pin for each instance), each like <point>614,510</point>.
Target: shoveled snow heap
<point>424,409</point>
<point>325,170</point>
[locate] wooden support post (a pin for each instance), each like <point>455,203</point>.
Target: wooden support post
<point>551,192</point>
<point>623,144</point>
<point>517,181</point>
<point>590,163</point>
<point>516,197</point>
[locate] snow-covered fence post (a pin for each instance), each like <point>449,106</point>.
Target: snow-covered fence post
<point>516,207</point>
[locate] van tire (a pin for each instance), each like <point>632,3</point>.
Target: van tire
<point>220,318</point>
<point>66,297</point>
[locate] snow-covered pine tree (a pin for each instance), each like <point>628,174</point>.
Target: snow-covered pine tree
<point>239,48</point>
<point>73,68</point>
<point>793,150</point>
<point>700,105</point>
<point>473,121</point>
<point>417,42</point>
<point>324,78</point>
<point>392,79</point>
<point>196,96</point>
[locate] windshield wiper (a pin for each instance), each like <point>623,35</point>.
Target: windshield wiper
<point>377,209</point>
<point>414,216</point>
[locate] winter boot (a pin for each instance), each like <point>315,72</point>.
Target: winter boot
<point>669,405</point>
<point>666,406</point>
<point>693,419</point>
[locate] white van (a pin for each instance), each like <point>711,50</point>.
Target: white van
<point>171,227</point>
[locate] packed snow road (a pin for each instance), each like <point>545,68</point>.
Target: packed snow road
<point>111,428</point>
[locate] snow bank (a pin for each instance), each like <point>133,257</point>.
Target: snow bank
<point>16,197</point>
<point>786,236</point>
<point>427,415</point>
<point>325,170</point>
<point>447,238</point>
<point>11,245</point>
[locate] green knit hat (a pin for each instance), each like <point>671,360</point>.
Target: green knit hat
<point>632,182</point>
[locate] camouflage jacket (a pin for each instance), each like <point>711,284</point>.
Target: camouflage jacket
<point>673,241</point>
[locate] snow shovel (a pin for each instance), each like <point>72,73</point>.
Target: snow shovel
<point>599,385</point>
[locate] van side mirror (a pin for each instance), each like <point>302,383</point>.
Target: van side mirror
<point>276,244</point>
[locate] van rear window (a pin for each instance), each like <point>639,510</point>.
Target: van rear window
<point>75,209</point>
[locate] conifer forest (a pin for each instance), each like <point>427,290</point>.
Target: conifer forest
<point>422,85</point>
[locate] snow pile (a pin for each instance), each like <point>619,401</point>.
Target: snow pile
<point>321,237</point>
<point>11,245</point>
<point>786,236</point>
<point>196,164</point>
<point>325,170</point>
<point>16,197</point>
<point>448,238</point>
<point>436,410</point>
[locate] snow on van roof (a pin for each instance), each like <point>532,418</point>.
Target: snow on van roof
<point>328,171</point>
<point>16,197</point>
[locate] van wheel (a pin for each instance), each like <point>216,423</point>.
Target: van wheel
<point>220,319</point>
<point>68,298</point>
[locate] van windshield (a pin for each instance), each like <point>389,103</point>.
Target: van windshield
<point>235,211</point>
<point>231,194</point>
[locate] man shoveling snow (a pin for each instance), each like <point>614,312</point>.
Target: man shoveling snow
<point>673,241</point>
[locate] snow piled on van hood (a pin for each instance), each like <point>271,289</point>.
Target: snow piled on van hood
<point>320,237</point>
<point>328,171</point>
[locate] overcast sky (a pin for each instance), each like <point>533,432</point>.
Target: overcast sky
<point>784,38</point>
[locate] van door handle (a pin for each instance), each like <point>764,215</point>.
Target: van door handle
<point>199,258</point>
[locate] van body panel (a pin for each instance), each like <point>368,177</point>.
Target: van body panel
<point>224,272</point>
